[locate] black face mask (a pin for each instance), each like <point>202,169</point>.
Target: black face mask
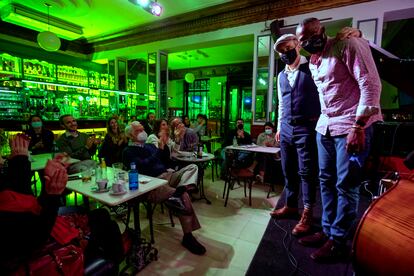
<point>240,126</point>
<point>315,44</point>
<point>289,57</point>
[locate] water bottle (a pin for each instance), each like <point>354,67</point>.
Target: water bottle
<point>133,177</point>
<point>200,151</point>
<point>235,141</point>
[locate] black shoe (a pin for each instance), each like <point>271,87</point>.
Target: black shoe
<point>176,205</point>
<point>190,242</point>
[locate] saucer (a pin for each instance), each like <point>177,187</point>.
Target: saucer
<point>144,180</point>
<point>96,190</point>
<point>117,193</point>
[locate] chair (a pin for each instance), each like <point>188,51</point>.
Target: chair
<point>235,173</point>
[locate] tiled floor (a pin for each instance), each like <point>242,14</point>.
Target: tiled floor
<point>231,234</point>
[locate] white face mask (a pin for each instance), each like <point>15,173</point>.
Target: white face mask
<point>142,137</point>
<point>268,131</point>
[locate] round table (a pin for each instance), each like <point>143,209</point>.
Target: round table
<point>191,158</point>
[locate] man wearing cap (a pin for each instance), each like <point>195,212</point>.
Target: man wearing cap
<point>298,113</point>
<point>349,90</point>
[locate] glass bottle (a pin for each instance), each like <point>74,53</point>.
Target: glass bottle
<point>133,178</point>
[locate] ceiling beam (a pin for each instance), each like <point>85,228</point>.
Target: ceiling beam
<point>227,15</point>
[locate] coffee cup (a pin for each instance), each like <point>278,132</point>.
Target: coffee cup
<point>118,187</point>
<point>102,183</point>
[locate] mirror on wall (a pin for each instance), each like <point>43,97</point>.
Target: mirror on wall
<point>121,74</point>
<point>260,98</point>
<point>163,84</point>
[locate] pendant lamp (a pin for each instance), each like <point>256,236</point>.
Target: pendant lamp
<point>189,77</point>
<point>46,39</point>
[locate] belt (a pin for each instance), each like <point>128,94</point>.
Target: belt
<point>297,122</point>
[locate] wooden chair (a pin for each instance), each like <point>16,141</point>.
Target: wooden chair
<point>233,174</point>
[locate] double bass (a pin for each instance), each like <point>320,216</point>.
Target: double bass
<point>384,240</point>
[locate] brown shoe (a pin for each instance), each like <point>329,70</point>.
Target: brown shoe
<point>305,224</point>
<point>330,252</point>
<point>285,212</point>
<point>314,240</point>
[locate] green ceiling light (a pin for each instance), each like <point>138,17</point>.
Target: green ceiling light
<point>189,77</point>
<point>46,39</point>
<point>32,19</point>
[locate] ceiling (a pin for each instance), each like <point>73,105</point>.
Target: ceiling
<point>107,18</point>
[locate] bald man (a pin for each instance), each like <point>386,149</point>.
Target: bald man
<point>349,91</point>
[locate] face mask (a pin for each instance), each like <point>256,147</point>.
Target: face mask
<point>315,44</point>
<point>142,137</point>
<point>240,126</point>
<point>36,124</point>
<point>289,57</point>
<point>268,131</point>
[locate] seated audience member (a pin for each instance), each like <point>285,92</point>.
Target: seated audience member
<point>41,139</point>
<point>114,143</point>
<point>186,121</point>
<point>201,127</point>
<point>76,144</point>
<point>265,139</point>
<point>161,135</point>
<point>148,123</point>
<point>152,161</point>
<point>28,223</point>
<point>244,159</point>
<point>185,139</point>
<point>133,118</point>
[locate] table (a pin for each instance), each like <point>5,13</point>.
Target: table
<point>39,161</point>
<point>200,162</point>
<point>258,149</point>
<point>255,148</point>
<point>114,200</point>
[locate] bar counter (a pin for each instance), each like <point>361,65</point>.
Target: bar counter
<point>20,125</point>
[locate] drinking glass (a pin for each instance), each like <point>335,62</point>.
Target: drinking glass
<point>86,174</point>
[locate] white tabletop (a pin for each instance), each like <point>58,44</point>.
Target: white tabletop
<point>39,161</point>
<point>255,148</point>
<point>191,158</point>
<point>108,198</point>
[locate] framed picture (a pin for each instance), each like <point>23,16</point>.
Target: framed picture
<point>368,28</point>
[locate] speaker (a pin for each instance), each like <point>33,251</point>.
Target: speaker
<point>275,28</point>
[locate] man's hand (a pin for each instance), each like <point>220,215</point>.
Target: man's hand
<point>20,145</point>
<point>277,136</point>
<point>56,177</point>
<point>90,142</point>
<point>348,32</point>
<point>355,141</point>
<point>240,133</point>
<point>39,145</point>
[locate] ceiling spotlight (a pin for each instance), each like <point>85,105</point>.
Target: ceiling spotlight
<point>151,6</point>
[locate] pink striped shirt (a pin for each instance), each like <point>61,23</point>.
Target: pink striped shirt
<point>348,85</point>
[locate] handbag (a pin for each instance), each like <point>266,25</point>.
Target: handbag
<point>67,261</point>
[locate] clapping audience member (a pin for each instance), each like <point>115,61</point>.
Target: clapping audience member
<point>41,139</point>
<point>161,135</point>
<point>154,161</point>
<point>29,222</point>
<point>114,143</point>
<point>185,139</point>
<point>76,144</point>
